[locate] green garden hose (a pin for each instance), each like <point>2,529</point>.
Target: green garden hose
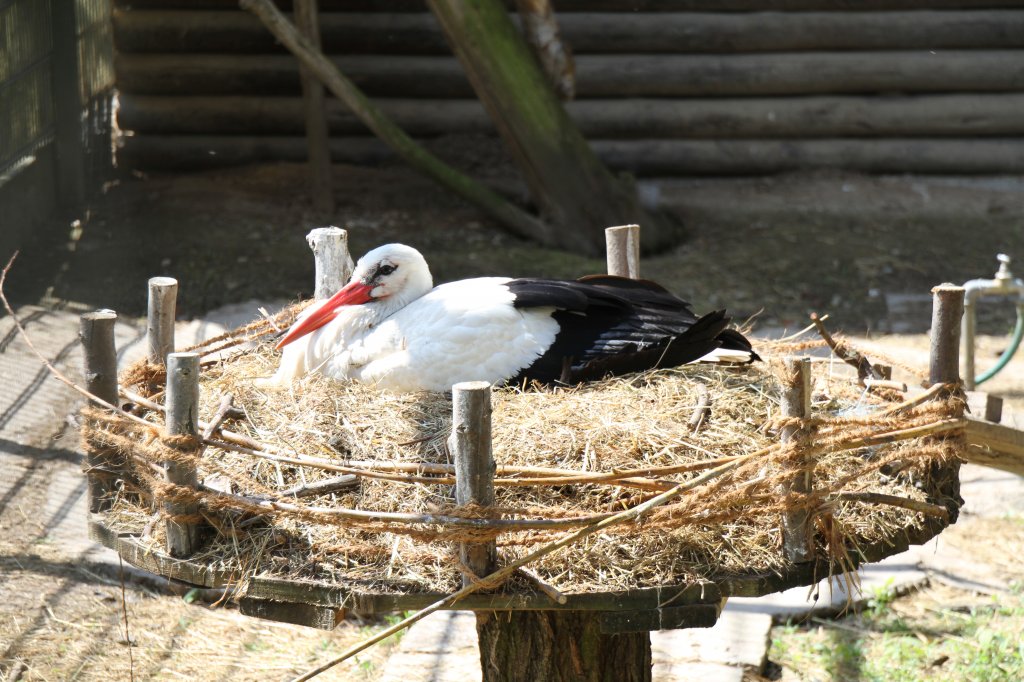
<point>1018,334</point>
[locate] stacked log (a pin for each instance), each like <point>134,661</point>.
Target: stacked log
<point>671,87</point>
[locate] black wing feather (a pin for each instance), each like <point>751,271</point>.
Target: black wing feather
<point>614,325</point>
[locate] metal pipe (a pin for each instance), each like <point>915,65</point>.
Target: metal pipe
<point>1003,284</point>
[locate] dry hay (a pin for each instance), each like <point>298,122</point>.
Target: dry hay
<point>728,527</point>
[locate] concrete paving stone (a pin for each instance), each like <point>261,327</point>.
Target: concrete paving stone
<point>440,648</point>
<point>444,630</point>
<point>690,671</point>
<point>739,638</point>
<point>34,411</point>
<point>990,493</point>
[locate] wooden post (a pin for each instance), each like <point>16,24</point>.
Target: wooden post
<point>307,21</point>
<point>96,332</point>
<point>470,445</point>
<point>944,367</point>
<point>163,298</point>
<point>797,536</point>
<point>333,263</point>
<point>947,311</point>
<point>182,420</point>
<point>623,247</point>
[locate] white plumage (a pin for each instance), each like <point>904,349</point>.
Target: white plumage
<point>390,328</point>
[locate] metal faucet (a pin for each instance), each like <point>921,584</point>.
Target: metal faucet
<point>1003,284</point>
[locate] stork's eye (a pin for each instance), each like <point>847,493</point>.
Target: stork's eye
<point>386,270</point>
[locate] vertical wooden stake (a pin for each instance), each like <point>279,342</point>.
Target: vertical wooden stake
<point>623,246</point>
<point>182,420</point>
<point>333,263</point>
<point>163,300</point>
<point>470,445</point>
<point>317,134</point>
<point>947,311</point>
<point>96,332</point>
<point>797,536</point>
<point>944,368</point>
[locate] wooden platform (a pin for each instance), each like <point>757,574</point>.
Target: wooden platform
<point>322,605</point>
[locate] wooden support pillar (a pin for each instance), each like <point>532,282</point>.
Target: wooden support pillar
<point>470,445</point>
<point>797,525</point>
<point>552,646</point>
<point>333,262</point>
<point>183,539</point>
<point>163,301</point>
<point>307,21</point>
<point>96,332</point>
<point>622,244</point>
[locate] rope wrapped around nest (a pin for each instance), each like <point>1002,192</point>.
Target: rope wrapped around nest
<point>402,521</point>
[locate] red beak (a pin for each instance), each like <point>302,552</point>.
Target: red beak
<point>352,293</point>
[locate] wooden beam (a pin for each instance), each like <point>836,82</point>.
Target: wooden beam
<point>669,618</point>
<point>620,6</point>
<point>634,75</point>
<point>591,32</point>
<point>640,157</point>
<point>309,615</point>
<point>321,187</point>
<point>910,116</point>
<point>141,555</point>
<point>995,445</point>
<point>328,594</point>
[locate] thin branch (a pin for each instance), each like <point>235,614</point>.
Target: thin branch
<point>895,501</point>
<point>702,410</point>
<point>329,485</point>
<point>547,588</point>
<point>918,399</point>
<point>225,409</point>
<point>124,611</point>
<point>851,357</point>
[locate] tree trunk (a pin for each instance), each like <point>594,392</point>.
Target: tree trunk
<point>558,646</point>
<point>576,194</point>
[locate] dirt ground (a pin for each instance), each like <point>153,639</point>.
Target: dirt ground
<point>773,247</point>
<point>769,249</point>
<point>62,619</point>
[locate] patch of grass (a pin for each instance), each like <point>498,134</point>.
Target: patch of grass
<point>939,634</point>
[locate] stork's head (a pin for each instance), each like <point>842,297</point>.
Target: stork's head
<point>393,275</point>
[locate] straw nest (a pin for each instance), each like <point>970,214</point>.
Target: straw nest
<point>640,430</point>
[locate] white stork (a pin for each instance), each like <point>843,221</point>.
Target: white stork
<point>391,327</point>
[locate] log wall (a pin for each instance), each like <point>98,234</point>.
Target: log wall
<point>664,87</point>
